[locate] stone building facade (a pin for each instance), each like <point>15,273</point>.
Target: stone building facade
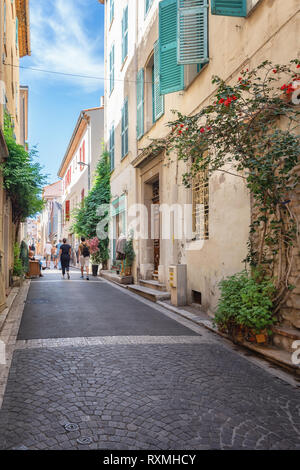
<point>144,83</point>
<point>14,44</point>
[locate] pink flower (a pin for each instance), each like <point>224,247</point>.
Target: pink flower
<point>202,130</point>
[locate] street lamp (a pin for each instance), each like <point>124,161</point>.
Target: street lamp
<point>89,172</point>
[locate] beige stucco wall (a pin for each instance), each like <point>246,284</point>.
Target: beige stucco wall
<point>271,31</point>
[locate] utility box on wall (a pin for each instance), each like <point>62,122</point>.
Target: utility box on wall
<point>178,284</point>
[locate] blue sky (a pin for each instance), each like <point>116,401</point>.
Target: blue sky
<point>66,36</point>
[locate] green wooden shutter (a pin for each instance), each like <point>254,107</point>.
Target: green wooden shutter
<point>4,24</point>
<point>125,128</point>
<point>112,68</point>
<point>171,74</point>
<point>140,104</point>
<point>192,27</point>
<point>158,99</point>
<point>229,7</point>
<point>112,147</point>
<point>17,32</point>
<point>125,34</point>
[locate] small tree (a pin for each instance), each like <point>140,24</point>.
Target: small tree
<point>22,178</point>
<point>89,216</point>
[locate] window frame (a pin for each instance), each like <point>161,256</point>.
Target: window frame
<point>125,34</point>
<point>124,133</point>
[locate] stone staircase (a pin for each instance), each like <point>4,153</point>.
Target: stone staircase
<point>151,289</point>
<point>284,337</point>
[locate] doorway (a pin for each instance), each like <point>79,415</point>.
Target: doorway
<point>156,225</point>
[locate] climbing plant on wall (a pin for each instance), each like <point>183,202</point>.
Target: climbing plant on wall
<point>251,130</point>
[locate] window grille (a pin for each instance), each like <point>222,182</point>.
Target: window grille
<point>200,211</point>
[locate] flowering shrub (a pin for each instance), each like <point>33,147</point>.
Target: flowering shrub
<point>93,244</point>
<point>251,131</point>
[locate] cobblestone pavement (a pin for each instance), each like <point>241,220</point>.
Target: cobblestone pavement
<point>182,391</point>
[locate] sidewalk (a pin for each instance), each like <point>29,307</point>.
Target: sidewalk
<point>9,325</point>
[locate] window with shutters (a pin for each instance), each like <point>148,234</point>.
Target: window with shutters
<point>4,24</point>
<point>111,10</point>
<point>148,4</point>
<point>200,211</point>
<point>17,33</point>
<point>125,34</point>
<point>183,42</point>
<point>158,99</point>
<point>192,28</point>
<point>67,211</point>
<point>124,133</point>
<point>140,104</point>
<point>112,69</point>
<point>171,74</point>
<point>112,147</point>
<point>229,7</point>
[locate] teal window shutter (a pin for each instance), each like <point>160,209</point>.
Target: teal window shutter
<point>140,104</point>
<point>171,74</point>
<point>17,32</point>
<point>124,133</point>
<point>158,99</point>
<point>112,69</point>
<point>112,147</point>
<point>125,34</point>
<point>4,23</point>
<point>192,17</point>
<point>229,7</point>
<point>111,10</point>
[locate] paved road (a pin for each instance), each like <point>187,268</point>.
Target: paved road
<point>128,376</point>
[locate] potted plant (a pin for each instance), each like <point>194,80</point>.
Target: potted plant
<point>129,255</point>
<point>95,254</point>
<point>245,307</point>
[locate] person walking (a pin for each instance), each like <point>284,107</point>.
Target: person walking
<point>65,254</point>
<point>84,257</point>
<point>47,252</point>
<point>58,263</point>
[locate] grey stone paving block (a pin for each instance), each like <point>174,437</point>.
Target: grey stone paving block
<point>163,397</point>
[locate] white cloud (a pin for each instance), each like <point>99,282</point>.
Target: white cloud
<point>63,39</point>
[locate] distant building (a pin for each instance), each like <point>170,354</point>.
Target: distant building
<point>51,217</point>
<point>79,164</point>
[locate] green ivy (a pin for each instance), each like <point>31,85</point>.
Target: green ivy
<point>18,269</point>
<point>87,217</point>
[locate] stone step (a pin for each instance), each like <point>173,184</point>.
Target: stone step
<point>150,294</point>
<point>152,284</point>
<point>284,337</point>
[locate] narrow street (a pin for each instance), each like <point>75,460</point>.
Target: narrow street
<point>127,375</point>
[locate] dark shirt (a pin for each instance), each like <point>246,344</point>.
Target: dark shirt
<point>65,249</point>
